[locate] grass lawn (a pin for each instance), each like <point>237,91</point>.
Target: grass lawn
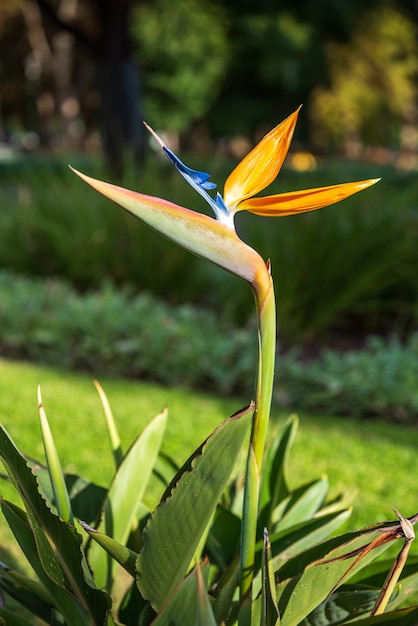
<point>374,461</point>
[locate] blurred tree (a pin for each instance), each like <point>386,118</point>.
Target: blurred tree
<point>372,91</point>
<point>277,58</point>
<point>201,60</point>
<point>104,34</point>
<point>47,51</point>
<point>183,49</point>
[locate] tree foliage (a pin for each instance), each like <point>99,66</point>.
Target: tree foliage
<point>372,78</point>
<point>182,47</point>
<point>350,62</point>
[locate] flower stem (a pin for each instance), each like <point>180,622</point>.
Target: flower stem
<point>266,315</point>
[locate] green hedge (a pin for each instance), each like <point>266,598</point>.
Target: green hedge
<point>120,333</point>
<point>350,266</point>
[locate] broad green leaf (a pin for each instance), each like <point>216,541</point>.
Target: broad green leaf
<point>25,598</point>
<point>123,555</point>
<point>165,468</point>
<point>307,579</point>
<point>125,495</point>
<point>23,582</point>
<point>274,487</point>
<point>189,603</point>
<point>58,544</point>
<point>342,606</point>
<point>223,539</point>
<point>176,527</point>
<point>284,545</point>
<point>28,592</point>
<point>375,574</point>
<point>86,497</point>
<point>9,618</point>
<point>290,541</point>
<point>405,617</point>
<point>133,609</point>
<point>270,613</point>
<point>301,505</point>
<point>61,498</point>
<point>205,616</point>
<point>114,439</point>
<point>225,593</point>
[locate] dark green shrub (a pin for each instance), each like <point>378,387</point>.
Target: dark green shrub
<point>350,267</point>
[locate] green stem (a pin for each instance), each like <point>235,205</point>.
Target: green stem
<point>266,314</point>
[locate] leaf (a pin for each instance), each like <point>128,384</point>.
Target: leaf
<point>223,540</point>
<point>308,578</point>
<point>133,609</point>
<point>31,585</point>
<point>270,612</point>
<point>343,605</point>
<point>174,530</point>
<point>291,541</point>
<point>123,555</point>
<point>28,592</point>
<point>205,616</point>
<point>86,497</point>
<point>11,619</point>
<point>61,498</point>
<point>301,505</point>
<point>58,546</point>
<point>284,545</point>
<point>189,603</point>
<point>274,486</point>
<point>375,575</point>
<point>114,438</point>
<point>405,617</point>
<point>125,495</point>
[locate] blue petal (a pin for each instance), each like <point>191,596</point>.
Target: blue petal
<point>200,178</point>
<point>199,181</point>
<point>219,201</point>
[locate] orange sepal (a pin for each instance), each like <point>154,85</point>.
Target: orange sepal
<point>303,201</point>
<point>261,166</point>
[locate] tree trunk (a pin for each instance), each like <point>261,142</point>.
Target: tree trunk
<point>119,85</point>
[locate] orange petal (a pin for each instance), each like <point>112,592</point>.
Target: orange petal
<point>261,166</point>
<point>303,201</point>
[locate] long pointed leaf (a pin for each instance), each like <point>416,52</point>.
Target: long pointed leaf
<point>30,584</point>
<point>322,568</point>
<point>9,618</point>
<point>186,605</point>
<point>123,555</point>
<point>342,606</point>
<point>205,616</point>
<point>274,487</point>
<point>301,505</point>
<point>58,544</point>
<point>406,617</point>
<point>174,531</point>
<point>62,500</point>
<point>112,430</point>
<point>270,613</point>
<point>125,495</point>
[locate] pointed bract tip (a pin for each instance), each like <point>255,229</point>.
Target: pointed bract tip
<point>87,527</point>
<point>154,134</point>
<point>39,397</point>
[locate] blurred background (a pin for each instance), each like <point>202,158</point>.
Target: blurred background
<point>77,77</point>
<point>82,74</point>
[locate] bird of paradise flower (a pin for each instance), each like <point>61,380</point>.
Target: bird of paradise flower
<point>217,240</point>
